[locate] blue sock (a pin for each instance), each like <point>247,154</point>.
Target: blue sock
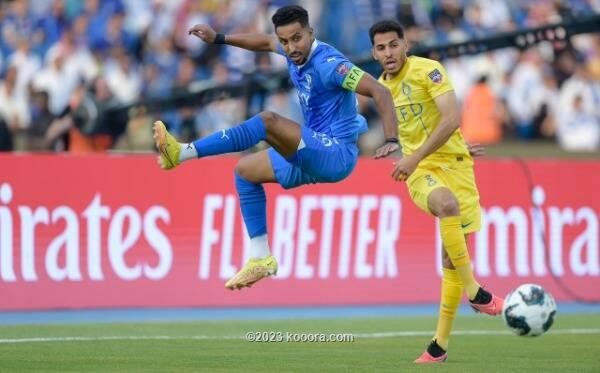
<point>234,139</point>
<point>253,203</point>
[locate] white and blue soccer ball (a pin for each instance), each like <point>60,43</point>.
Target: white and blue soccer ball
<point>529,310</point>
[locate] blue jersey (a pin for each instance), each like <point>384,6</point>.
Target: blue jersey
<point>328,107</point>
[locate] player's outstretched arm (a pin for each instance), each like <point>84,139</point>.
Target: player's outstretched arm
<point>253,42</point>
<point>368,86</point>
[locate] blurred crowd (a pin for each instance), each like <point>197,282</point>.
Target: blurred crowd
<point>66,66</point>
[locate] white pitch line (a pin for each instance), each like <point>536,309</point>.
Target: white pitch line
<point>119,338</point>
<point>233,337</point>
<point>468,332</point>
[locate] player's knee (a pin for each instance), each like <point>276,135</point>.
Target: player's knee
<point>269,118</point>
<point>244,169</point>
<point>448,207</point>
<point>446,262</point>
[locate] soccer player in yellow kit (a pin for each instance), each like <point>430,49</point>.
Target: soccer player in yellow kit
<point>438,170</point>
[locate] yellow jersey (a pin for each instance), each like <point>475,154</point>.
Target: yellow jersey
<point>414,89</point>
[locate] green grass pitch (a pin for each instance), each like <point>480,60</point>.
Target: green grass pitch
<point>572,345</point>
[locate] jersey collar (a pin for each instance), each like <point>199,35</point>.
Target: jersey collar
<point>314,46</point>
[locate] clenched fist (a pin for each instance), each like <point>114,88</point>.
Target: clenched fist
<point>204,32</point>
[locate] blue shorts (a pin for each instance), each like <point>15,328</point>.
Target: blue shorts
<point>321,159</point>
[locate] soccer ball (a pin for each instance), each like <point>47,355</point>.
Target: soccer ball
<point>529,310</point>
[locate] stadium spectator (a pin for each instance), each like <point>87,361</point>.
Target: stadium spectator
<point>94,129</point>
<point>138,133</point>
<point>18,21</point>
<point>544,98</point>
<point>162,54</point>
<point>14,106</point>
<point>41,120</point>
<point>52,22</point>
<point>579,130</point>
<point>162,19</point>
<point>219,114</point>
<point>27,64</point>
<point>525,78</point>
<point>185,121</point>
<point>6,143</point>
<point>123,76</point>
<point>481,118</point>
<point>190,13</point>
<point>79,63</point>
<point>155,84</point>
<point>57,82</point>
<point>579,113</point>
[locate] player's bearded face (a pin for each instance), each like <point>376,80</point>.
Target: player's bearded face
<point>295,41</point>
<point>390,51</point>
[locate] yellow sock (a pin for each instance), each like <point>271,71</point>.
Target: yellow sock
<point>456,247</point>
<point>452,290</point>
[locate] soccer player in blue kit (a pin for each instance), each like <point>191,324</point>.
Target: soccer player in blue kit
<point>323,150</point>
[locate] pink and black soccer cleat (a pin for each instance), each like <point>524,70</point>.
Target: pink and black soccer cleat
<point>493,307</point>
<point>428,356</point>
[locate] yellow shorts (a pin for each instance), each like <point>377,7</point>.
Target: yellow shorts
<point>457,176</point>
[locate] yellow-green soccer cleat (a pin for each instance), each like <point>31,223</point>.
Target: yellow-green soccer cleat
<point>167,146</point>
<point>254,270</point>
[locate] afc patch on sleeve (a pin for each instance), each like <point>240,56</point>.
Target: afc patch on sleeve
<point>342,69</point>
<point>436,76</point>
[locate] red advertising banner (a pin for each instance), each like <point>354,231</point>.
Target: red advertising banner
<point>116,231</point>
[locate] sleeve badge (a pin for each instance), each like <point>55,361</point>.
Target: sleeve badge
<point>436,76</point>
<point>342,69</point>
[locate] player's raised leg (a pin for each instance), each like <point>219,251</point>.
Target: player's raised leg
<point>281,133</point>
<point>452,290</point>
<point>251,172</point>
<point>444,204</point>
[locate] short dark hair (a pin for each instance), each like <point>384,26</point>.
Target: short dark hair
<point>290,14</point>
<point>386,26</point>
